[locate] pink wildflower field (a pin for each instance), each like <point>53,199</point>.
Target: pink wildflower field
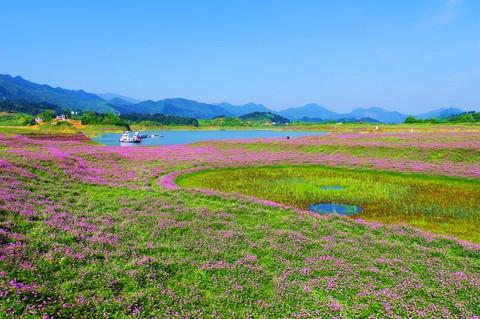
<point>94,231</point>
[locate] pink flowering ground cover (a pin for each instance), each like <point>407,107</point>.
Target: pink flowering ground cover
<point>94,231</point>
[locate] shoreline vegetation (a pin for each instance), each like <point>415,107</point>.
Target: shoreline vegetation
<point>93,130</point>
<point>24,116</point>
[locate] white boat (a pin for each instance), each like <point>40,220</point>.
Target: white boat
<point>126,138</point>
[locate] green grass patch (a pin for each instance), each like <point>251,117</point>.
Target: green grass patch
<point>438,204</point>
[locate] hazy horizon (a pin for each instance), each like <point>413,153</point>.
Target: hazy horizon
<point>409,56</point>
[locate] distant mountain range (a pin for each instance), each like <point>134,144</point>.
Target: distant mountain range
<point>377,113</point>
<point>439,113</point>
<point>239,110</point>
<point>309,110</point>
<point>121,99</point>
<point>372,114</point>
<point>343,120</point>
<point>17,88</point>
<point>180,107</point>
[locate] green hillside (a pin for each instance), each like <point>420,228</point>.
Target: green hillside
<point>17,88</point>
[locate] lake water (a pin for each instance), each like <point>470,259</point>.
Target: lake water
<point>191,136</point>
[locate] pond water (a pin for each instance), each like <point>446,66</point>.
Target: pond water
<point>169,137</point>
<point>332,187</point>
<point>331,208</point>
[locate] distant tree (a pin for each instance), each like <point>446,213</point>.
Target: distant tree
<point>411,119</point>
<point>88,118</point>
<point>466,117</point>
<point>47,115</point>
<point>30,121</point>
<point>111,119</point>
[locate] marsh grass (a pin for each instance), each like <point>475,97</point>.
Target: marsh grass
<point>442,205</point>
<point>455,155</point>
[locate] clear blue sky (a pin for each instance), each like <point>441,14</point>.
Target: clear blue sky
<point>408,55</point>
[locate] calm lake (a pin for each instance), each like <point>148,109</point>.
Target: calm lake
<point>191,136</point>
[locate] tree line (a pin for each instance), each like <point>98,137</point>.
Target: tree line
<point>47,112</point>
<point>466,117</point>
<point>94,118</point>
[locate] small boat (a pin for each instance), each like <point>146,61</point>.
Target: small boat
<point>126,138</point>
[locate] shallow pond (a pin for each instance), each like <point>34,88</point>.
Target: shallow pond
<point>331,208</point>
<point>169,137</point>
<point>332,187</point>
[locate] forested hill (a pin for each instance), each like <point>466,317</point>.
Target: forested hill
<point>264,117</point>
<point>22,106</point>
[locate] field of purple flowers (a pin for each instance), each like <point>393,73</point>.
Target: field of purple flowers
<point>94,231</point>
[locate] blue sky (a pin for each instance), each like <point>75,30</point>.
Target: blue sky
<point>409,55</point>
